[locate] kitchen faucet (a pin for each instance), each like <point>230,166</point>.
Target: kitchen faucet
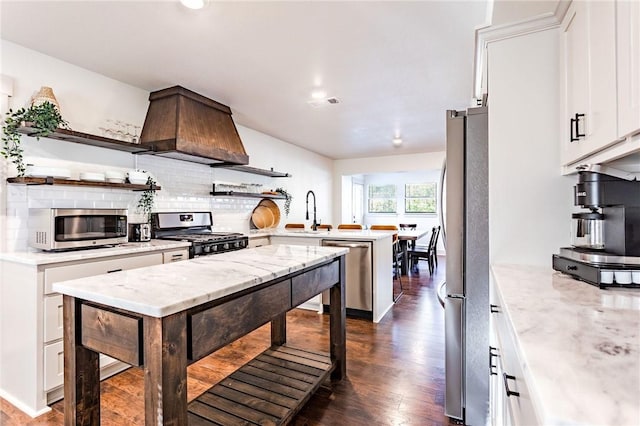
<point>314,225</point>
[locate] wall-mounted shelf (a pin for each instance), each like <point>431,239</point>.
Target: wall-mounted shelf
<point>254,170</point>
<point>86,139</point>
<point>239,194</point>
<point>246,195</point>
<point>53,181</point>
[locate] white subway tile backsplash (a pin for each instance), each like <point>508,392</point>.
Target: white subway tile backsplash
<point>185,186</point>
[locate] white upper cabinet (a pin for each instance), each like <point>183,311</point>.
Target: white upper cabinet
<point>628,52</point>
<point>588,80</point>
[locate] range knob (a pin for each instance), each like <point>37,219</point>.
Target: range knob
<point>226,246</point>
<point>207,249</point>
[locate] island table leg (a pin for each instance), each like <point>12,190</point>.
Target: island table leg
<point>165,370</point>
<point>337,325</point>
<point>81,371</point>
<point>279,330</point>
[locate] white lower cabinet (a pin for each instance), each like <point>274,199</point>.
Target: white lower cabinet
<point>510,399</point>
<point>33,365</point>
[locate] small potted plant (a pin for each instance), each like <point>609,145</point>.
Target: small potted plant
<point>287,201</point>
<point>147,198</point>
<point>44,119</point>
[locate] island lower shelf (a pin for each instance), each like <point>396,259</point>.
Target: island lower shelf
<point>269,389</point>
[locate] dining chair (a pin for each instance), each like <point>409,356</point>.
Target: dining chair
<point>327,227</point>
<point>294,226</point>
<point>408,226</point>
<point>349,226</point>
<point>396,253</point>
<point>427,252</point>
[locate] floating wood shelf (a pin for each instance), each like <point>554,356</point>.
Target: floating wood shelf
<point>269,389</point>
<point>246,195</point>
<point>53,181</point>
<point>86,139</point>
<point>254,170</point>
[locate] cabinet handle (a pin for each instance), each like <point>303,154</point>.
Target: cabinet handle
<point>509,392</point>
<point>575,126</point>
<point>492,366</point>
<point>494,309</point>
<point>114,270</point>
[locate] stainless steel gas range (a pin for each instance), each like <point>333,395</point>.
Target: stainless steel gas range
<point>196,228</point>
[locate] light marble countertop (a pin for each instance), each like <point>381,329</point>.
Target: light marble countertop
<point>579,346</point>
<point>333,234</point>
<point>162,290</point>
<point>44,257</point>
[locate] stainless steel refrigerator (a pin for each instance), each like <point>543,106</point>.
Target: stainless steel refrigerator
<point>466,233</point>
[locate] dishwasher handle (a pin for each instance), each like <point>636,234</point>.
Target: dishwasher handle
<point>347,245</point>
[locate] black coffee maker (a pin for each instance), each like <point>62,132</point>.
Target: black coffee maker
<point>619,202</point>
<point>606,237</point>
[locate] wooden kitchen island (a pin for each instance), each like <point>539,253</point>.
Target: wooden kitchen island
<point>165,317</point>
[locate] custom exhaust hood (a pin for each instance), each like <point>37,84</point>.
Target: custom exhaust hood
<point>184,125</point>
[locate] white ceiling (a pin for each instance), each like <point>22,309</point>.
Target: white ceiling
<point>395,66</point>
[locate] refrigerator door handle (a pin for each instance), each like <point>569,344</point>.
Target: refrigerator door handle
<point>443,227</point>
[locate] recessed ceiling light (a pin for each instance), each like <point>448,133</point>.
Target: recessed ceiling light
<point>318,94</point>
<point>194,4</point>
<point>397,141</point>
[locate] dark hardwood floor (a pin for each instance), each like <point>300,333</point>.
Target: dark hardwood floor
<point>395,369</point>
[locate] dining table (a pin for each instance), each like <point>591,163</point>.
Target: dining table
<point>408,237</point>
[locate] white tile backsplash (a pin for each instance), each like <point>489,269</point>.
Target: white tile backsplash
<point>185,187</point>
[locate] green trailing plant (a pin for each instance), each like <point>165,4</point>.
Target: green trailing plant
<point>287,202</point>
<point>43,119</point>
<point>147,198</point>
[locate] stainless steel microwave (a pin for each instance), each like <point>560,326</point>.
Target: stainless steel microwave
<point>60,229</point>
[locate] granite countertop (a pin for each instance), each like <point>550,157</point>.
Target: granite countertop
<point>44,258</point>
<point>162,290</point>
<point>579,346</point>
<point>333,234</point>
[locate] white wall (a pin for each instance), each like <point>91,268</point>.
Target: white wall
<point>529,201</point>
<point>86,100</point>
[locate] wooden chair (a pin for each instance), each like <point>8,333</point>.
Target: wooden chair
<point>294,226</point>
<point>344,226</point>
<point>327,227</point>
<point>397,253</point>
<point>409,227</point>
<point>428,252</point>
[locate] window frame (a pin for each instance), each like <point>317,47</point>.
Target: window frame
<point>393,198</point>
<point>434,198</point>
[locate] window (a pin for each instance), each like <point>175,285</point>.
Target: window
<point>420,197</point>
<point>382,199</point>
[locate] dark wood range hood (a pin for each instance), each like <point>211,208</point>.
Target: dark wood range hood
<point>184,125</point>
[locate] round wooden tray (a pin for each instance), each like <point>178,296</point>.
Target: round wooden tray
<point>266,214</point>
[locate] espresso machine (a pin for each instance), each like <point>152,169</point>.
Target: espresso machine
<point>605,248</point>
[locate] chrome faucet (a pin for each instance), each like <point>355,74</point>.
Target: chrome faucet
<point>314,225</point>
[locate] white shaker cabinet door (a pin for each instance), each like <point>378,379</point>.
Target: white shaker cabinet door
<point>53,326</point>
<point>628,56</point>
<point>588,46</point>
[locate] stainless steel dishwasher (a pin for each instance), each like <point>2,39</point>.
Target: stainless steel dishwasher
<point>359,288</point>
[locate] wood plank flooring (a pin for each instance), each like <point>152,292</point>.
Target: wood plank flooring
<point>395,369</point>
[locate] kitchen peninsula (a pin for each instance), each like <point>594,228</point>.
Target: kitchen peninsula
<point>167,316</point>
<point>379,291</point>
